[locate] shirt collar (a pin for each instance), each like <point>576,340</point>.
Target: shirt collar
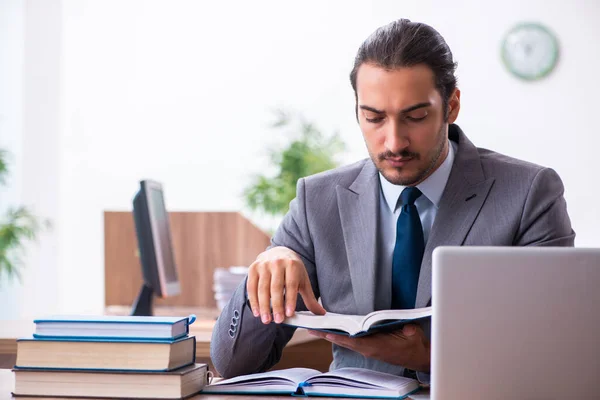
<point>432,187</point>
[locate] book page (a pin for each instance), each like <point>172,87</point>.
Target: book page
<point>387,315</point>
<point>291,376</point>
<point>332,321</point>
<point>122,319</point>
<point>364,378</point>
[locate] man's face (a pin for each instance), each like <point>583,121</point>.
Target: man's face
<point>401,116</point>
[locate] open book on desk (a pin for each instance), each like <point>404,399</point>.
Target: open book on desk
<point>344,382</point>
<point>357,325</point>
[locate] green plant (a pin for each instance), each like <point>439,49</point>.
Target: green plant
<point>17,227</point>
<point>308,153</point>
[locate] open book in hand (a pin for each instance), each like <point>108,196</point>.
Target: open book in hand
<point>344,382</point>
<point>357,325</point>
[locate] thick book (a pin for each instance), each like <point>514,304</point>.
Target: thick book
<point>123,327</point>
<point>358,325</point>
<point>344,382</point>
<point>106,354</point>
<point>178,384</point>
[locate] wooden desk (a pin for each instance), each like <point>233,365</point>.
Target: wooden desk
<point>7,385</point>
<point>303,350</point>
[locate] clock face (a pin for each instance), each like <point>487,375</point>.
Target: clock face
<point>530,51</point>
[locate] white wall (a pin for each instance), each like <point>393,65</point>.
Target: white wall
<point>42,150</point>
<point>30,46</point>
<point>180,91</point>
<point>11,62</point>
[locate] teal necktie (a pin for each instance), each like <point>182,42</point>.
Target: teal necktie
<point>408,251</point>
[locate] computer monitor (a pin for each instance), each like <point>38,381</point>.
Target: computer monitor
<point>155,247</point>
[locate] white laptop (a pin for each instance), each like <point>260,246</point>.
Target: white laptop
<point>515,323</point>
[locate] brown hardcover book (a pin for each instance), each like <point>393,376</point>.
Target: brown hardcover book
<point>177,384</point>
<point>137,355</point>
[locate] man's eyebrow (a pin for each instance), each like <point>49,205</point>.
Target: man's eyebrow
<point>415,107</point>
<point>407,109</point>
<point>368,108</point>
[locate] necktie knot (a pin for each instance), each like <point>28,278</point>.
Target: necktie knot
<point>409,195</point>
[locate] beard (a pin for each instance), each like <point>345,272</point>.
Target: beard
<point>434,157</point>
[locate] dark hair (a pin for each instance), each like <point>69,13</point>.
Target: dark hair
<point>403,43</point>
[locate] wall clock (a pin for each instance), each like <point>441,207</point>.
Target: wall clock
<point>530,51</point>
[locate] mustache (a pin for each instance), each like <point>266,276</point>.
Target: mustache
<point>402,154</point>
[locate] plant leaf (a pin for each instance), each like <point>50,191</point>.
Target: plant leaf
<point>4,155</point>
<point>309,152</point>
<point>19,227</point>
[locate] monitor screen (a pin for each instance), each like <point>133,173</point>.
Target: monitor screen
<point>154,240</point>
<point>162,236</point>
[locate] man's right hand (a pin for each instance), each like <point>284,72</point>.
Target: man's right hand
<point>273,271</point>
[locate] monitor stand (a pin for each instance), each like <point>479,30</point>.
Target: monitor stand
<point>143,303</point>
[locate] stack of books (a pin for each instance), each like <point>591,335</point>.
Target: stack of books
<point>225,282</point>
<point>109,357</point>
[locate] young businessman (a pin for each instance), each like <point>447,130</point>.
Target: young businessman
<point>360,237</point>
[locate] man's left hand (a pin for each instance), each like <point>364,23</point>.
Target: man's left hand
<point>407,347</point>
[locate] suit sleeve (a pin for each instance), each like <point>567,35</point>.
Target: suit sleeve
<point>545,221</point>
<point>241,343</point>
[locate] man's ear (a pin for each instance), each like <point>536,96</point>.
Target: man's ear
<point>453,106</point>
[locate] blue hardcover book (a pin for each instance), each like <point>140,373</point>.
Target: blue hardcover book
<point>107,354</point>
<point>344,382</point>
<point>121,327</point>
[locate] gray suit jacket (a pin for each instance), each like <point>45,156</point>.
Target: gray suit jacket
<point>490,199</point>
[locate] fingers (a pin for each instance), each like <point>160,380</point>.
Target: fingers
<point>291,294</point>
<point>274,280</point>
<point>277,284</point>
<point>356,344</point>
<point>316,333</point>
<point>264,295</point>
<point>264,289</point>
<point>409,330</point>
<point>252,289</point>
<point>309,298</point>
<point>395,348</point>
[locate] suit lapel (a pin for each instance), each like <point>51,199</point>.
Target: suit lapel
<point>463,197</point>
<point>359,213</point>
